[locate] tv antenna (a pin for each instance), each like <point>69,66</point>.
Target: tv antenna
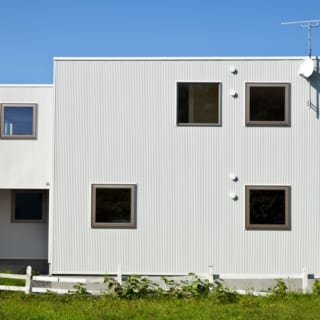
<point>306,24</point>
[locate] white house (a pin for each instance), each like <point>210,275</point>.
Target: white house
<point>163,165</point>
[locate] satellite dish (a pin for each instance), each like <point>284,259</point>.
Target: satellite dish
<point>306,68</point>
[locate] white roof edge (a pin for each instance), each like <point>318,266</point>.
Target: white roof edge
<point>26,85</point>
<point>176,58</point>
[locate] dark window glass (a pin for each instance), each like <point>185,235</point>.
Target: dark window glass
<point>28,206</point>
<point>113,205</point>
<point>198,103</point>
<point>267,207</point>
<point>18,121</point>
<point>267,104</point>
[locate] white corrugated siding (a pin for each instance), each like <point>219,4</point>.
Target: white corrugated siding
<point>26,164</point>
<point>116,123</point>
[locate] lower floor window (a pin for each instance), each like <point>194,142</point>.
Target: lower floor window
<point>267,207</point>
<point>113,206</point>
<point>29,205</point>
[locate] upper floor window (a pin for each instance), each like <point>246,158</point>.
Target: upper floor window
<point>198,104</point>
<point>267,104</point>
<point>18,121</point>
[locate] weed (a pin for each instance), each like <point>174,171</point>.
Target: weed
<point>316,287</point>
<point>196,287</point>
<point>137,287</point>
<point>223,294</point>
<point>280,289</point>
<point>81,289</point>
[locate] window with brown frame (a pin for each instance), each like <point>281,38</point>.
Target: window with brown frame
<point>18,121</point>
<point>113,206</point>
<point>267,207</point>
<point>267,104</point>
<point>198,104</point>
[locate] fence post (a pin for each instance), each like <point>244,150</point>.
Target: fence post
<point>304,281</point>
<point>210,271</point>
<point>119,274</point>
<point>28,288</point>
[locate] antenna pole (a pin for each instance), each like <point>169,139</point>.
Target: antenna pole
<point>309,39</point>
<point>307,24</point>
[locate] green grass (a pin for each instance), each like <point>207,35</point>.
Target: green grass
<point>16,306</point>
<point>11,282</point>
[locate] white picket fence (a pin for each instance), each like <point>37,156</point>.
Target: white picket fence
<point>28,288</point>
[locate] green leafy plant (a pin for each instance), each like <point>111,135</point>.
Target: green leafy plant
<point>81,289</point>
<point>316,287</point>
<point>280,289</point>
<point>134,287</point>
<point>172,288</point>
<point>224,295</point>
<point>196,287</point>
<point>112,286</point>
<point>139,287</point>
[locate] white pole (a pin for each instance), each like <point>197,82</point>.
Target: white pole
<point>119,274</point>
<point>210,271</point>
<point>304,281</point>
<point>28,288</point>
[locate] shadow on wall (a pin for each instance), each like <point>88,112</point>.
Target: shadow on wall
<point>20,265</point>
<point>314,83</point>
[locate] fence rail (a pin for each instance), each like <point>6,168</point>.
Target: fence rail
<point>28,288</point>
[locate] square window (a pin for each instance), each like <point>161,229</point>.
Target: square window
<point>18,121</point>
<point>267,104</point>
<point>29,205</point>
<point>113,206</point>
<point>198,104</point>
<point>267,207</point>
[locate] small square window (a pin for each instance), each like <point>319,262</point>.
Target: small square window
<point>267,207</point>
<point>18,121</point>
<point>113,206</point>
<point>198,104</point>
<point>29,205</point>
<point>267,104</point>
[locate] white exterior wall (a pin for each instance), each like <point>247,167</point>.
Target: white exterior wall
<point>116,123</point>
<point>26,164</point>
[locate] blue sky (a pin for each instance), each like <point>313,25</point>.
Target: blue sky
<point>32,32</point>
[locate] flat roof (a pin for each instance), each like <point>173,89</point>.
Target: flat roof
<point>26,85</point>
<point>176,58</point>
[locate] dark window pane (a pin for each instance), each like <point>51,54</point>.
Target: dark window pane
<point>267,207</point>
<point>198,103</point>
<point>28,206</point>
<point>18,121</point>
<point>267,103</point>
<point>113,205</point>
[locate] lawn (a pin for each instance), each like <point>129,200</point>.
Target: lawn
<point>49,306</point>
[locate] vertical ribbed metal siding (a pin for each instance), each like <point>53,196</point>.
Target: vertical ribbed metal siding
<point>116,123</point>
<point>27,163</point>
